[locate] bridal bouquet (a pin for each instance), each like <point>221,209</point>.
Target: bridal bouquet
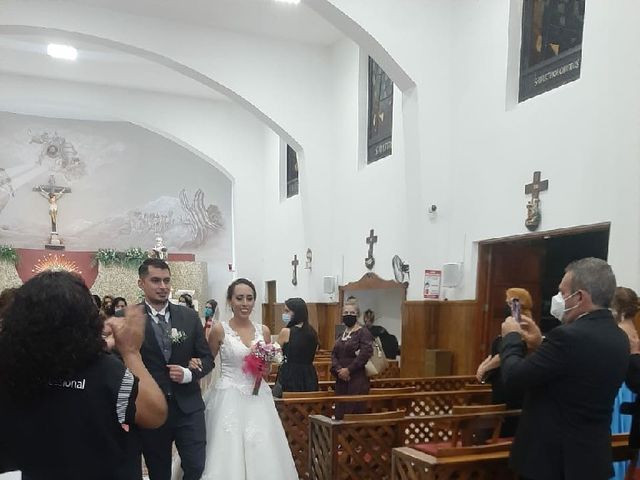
<point>258,360</point>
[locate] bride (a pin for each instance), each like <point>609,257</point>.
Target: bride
<point>245,438</point>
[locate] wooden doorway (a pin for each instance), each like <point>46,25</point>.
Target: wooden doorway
<point>269,308</point>
<point>535,262</point>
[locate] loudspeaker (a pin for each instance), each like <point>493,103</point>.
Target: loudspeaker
<point>451,273</point>
<point>329,285</point>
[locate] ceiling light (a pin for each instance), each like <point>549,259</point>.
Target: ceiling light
<point>294,2</point>
<point>65,52</point>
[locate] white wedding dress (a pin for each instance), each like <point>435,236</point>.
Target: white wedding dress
<point>245,438</point>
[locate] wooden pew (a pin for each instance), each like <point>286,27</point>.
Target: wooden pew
<point>361,448</point>
<point>295,412</point>
<point>323,369</point>
<point>411,464</point>
<point>422,384</point>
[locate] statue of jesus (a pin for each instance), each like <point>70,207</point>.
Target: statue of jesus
<point>52,198</point>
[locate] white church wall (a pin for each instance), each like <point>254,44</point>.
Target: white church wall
<point>216,131</point>
<point>474,154</point>
<point>582,136</point>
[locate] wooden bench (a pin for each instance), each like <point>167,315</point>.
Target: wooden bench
<point>422,384</point>
<point>295,412</point>
<point>361,448</point>
<point>323,369</point>
<point>411,464</point>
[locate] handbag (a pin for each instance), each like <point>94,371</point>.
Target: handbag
<point>378,362</point>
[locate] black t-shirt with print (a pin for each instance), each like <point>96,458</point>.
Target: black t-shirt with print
<point>78,430</point>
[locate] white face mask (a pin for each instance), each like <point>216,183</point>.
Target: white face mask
<point>184,304</point>
<point>286,318</point>
<point>558,308</point>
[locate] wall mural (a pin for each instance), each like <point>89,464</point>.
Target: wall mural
<point>125,186</point>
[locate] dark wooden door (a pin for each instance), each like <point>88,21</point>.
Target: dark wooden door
<point>508,265</point>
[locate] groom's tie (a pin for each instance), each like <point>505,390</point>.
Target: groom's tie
<point>166,336</point>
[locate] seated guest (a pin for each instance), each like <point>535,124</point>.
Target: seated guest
<point>389,342</point>
<point>209,312</point>
<point>107,302</point>
<point>118,304</point>
<point>350,354</point>
<point>299,342</point>
<point>66,405</point>
<point>186,301</point>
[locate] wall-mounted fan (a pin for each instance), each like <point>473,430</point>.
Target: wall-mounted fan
<point>400,269</point>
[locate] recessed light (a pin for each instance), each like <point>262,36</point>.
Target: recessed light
<point>65,52</point>
<point>293,2</point>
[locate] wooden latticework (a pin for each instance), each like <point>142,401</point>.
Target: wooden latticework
<point>411,464</point>
<point>362,449</point>
<point>295,413</point>
<point>422,384</point>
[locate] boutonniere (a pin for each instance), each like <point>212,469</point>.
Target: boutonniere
<point>178,336</point>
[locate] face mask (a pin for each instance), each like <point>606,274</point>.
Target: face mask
<point>184,304</point>
<point>117,309</point>
<point>286,318</point>
<point>507,311</point>
<point>349,320</point>
<point>558,306</point>
<point>208,312</point>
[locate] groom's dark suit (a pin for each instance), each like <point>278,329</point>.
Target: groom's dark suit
<point>185,423</point>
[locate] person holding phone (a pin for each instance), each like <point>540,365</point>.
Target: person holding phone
<point>517,303</point>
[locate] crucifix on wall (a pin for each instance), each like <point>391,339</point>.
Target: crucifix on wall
<point>53,193</point>
<point>294,264</point>
<point>534,215</point>
<point>372,239</point>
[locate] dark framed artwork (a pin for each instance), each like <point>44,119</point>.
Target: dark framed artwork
<point>380,113</point>
<point>292,172</point>
<point>551,50</point>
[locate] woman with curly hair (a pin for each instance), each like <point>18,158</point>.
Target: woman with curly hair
<point>65,404</point>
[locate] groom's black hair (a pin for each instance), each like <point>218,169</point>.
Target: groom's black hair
<point>143,271</point>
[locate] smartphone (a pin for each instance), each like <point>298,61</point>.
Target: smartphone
<point>515,309</point>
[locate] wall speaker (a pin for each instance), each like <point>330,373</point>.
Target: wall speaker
<point>451,274</point>
<point>329,285</point>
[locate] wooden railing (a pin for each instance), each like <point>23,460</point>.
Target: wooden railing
<point>323,369</point>
<point>411,464</point>
<point>362,448</point>
<point>295,413</point>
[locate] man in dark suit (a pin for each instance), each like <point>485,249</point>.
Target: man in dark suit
<point>570,380</point>
<point>174,335</point>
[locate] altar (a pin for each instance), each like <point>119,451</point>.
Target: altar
<point>103,278</point>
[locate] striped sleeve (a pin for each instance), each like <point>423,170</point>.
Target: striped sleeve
<point>126,397</point>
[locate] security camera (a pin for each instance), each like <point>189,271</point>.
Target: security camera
<point>432,208</point>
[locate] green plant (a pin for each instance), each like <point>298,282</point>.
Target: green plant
<point>130,258</point>
<point>8,254</point>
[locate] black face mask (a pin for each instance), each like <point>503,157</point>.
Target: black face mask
<point>349,320</point>
<point>507,311</point>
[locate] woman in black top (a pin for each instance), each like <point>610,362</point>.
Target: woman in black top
<point>66,405</point>
<point>299,343</point>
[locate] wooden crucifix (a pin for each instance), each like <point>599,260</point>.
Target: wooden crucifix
<point>372,239</point>
<point>52,193</point>
<point>534,215</point>
<point>295,263</point>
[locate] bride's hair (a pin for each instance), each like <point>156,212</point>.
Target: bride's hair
<point>240,281</point>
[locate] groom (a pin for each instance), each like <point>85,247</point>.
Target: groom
<point>173,336</point>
